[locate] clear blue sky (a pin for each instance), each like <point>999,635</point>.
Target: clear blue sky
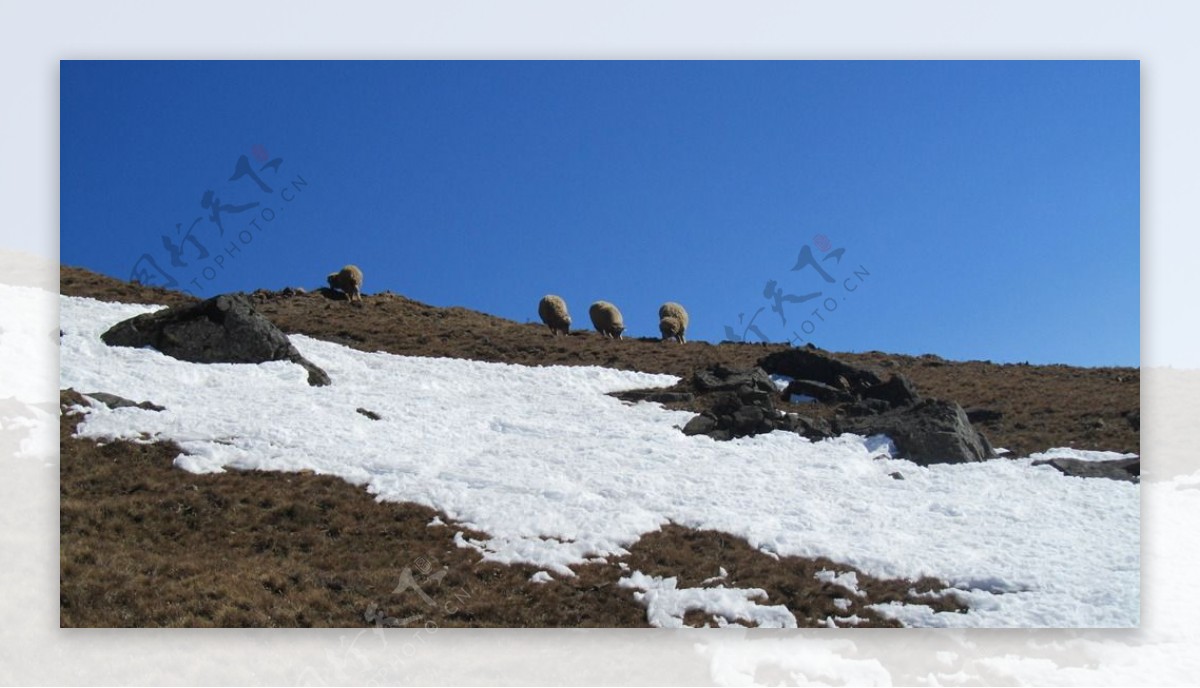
<point>989,209</point>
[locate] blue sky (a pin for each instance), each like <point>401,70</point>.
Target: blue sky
<point>976,210</point>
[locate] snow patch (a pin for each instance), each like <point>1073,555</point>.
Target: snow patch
<point>556,473</point>
<point>667,604</point>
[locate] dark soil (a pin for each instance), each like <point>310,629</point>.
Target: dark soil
<point>146,544</point>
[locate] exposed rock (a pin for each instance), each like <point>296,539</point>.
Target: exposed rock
<point>812,428</point>
<point>820,391</point>
<point>897,391</point>
<point>223,329</point>
<point>747,419</point>
<point>655,395</point>
<point>983,415</point>
<point>701,425</point>
<point>1134,418</point>
<point>720,378</point>
<point>115,402</point>
<point>809,364</point>
<point>369,414</point>
<point>931,431</point>
<point>1117,469</point>
<point>866,407</point>
<point>740,401</point>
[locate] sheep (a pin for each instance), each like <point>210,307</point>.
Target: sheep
<point>349,279</point>
<point>672,321</point>
<point>553,311</point>
<point>607,319</point>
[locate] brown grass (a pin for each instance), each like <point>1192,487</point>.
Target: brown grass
<point>146,544</point>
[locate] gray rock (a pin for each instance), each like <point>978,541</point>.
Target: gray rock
<point>983,415</point>
<point>897,391</point>
<point>700,425</point>
<point>655,396</point>
<point>747,419</point>
<point>720,378</point>
<point>223,329</point>
<point>115,402</point>
<point>931,431</point>
<point>818,390</point>
<point>1117,469</point>
<point>809,364</point>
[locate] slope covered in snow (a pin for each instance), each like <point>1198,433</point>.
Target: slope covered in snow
<point>556,472</point>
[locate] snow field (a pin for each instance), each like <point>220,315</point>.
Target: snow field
<point>557,473</point>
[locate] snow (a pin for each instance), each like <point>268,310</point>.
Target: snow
<point>557,473</point>
<point>667,604</point>
<point>541,577</point>
<point>1080,455</point>
<point>28,405</point>
<point>846,579</point>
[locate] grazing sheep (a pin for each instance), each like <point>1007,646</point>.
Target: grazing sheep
<point>607,319</point>
<point>349,279</point>
<point>672,321</point>
<point>553,311</point>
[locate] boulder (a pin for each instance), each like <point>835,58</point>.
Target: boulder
<point>928,432</point>
<point>655,395</point>
<point>720,378</point>
<point>223,329</point>
<point>826,394</point>
<point>1116,469</point>
<point>740,402</point>
<point>897,391</point>
<point>115,402</point>
<point>810,364</point>
<point>983,415</point>
<point>701,425</point>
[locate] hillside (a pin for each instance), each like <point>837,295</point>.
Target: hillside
<point>144,543</point>
<point>1034,407</point>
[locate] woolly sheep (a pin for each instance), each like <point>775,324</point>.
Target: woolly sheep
<point>553,311</point>
<point>607,319</point>
<point>349,279</point>
<point>672,321</point>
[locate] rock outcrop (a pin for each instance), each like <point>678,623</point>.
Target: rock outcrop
<point>930,431</point>
<point>223,329</point>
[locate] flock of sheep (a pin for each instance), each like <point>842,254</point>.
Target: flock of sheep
<point>672,318</point>
<point>606,318</point>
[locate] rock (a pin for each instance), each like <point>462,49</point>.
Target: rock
<point>897,475</point>
<point>720,378</point>
<point>812,428</point>
<point>655,395</point>
<point>931,431</point>
<point>897,391</point>
<point>223,329</point>
<point>983,415</point>
<point>1117,469</point>
<point>746,420</point>
<point>1134,418</point>
<point>820,391</point>
<point>702,424</point>
<point>809,364</point>
<point>369,414</point>
<point>866,407</point>
<point>115,402</point>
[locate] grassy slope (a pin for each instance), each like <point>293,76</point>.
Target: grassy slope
<point>145,544</point>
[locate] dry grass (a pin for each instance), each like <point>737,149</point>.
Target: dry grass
<point>146,544</point>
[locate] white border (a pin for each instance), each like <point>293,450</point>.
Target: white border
<point>36,36</point>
